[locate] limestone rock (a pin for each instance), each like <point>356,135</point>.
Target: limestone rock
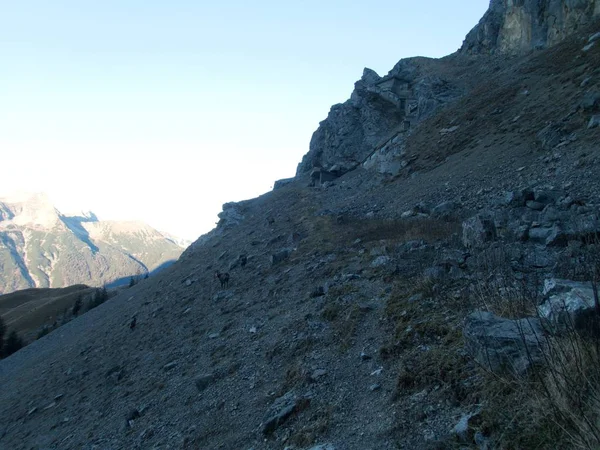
<point>377,111</point>
<point>504,345</point>
<point>519,26</point>
<point>477,231</point>
<point>568,304</point>
<point>280,411</point>
<point>230,216</point>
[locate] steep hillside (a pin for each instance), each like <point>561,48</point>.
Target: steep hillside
<point>40,247</point>
<point>349,321</point>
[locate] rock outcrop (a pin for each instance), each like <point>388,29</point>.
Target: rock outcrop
<point>517,26</point>
<point>370,125</point>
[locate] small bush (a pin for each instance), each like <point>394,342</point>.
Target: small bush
<point>13,344</point>
<point>77,306</point>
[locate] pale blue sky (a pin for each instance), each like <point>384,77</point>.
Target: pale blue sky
<point>163,110</point>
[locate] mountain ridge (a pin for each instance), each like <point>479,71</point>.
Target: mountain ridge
<point>41,247</point>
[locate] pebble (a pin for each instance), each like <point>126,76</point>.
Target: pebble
<point>170,366</point>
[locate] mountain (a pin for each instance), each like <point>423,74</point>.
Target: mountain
<point>427,280</point>
<point>40,247</point>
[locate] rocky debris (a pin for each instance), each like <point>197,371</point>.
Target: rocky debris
<point>478,230</point>
<point>281,409</point>
<point>518,27</point>
<point>323,447</point>
<point>594,121</point>
<point>569,305</point>
<point>504,345</point>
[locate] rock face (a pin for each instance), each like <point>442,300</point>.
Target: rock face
<point>517,26</point>
<point>40,247</point>
<point>504,345</point>
<point>353,128</point>
<point>370,122</point>
<point>568,304</point>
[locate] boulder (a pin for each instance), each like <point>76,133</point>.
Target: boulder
<point>516,199</point>
<point>504,346</point>
<point>281,409</point>
<point>590,102</point>
<point>568,305</point>
<point>478,230</point>
<point>230,216</point>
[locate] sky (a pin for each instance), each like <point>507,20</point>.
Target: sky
<point>161,111</point>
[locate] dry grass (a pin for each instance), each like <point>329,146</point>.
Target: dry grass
<point>328,233</point>
<point>554,406</point>
<point>313,427</point>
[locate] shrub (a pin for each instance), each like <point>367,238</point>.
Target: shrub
<point>77,306</point>
<point>13,343</point>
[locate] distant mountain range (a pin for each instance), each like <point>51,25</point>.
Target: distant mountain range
<point>40,247</point>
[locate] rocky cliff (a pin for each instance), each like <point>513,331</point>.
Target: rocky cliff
<point>379,108</point>
<point>370,128</point>
<point>40,247</point>
<point>517,26</point>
